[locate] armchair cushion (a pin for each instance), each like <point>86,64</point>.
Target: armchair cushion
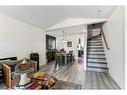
<point>12,64</point>
<point>12,67</point>
<point>22,67</point>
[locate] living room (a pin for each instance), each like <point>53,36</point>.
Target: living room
<point>23,32</point>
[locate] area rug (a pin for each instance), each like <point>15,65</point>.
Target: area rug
<point>60,85</point>
<point>66,85</point>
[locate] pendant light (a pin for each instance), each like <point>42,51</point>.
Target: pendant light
<point>64,34</point>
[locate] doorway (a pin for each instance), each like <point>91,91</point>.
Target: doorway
<point>50,48</point>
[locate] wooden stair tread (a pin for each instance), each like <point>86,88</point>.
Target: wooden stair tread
<point>97,62</point>
<point>95,58</point>
<point>97,67</point>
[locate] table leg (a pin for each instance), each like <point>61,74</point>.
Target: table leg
<point>65,60</point>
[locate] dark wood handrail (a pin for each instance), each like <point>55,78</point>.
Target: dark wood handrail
<point>104,39</point>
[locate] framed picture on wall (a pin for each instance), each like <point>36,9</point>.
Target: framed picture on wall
<point>69,44</point>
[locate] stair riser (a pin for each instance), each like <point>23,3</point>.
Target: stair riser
<point>97,70</point>
<point>94,41</point>
<point>102,53</point>
<point>97,60</point>
<point>94,45</point>
<point>90,37</point>
<point>96,56</point>
<point>97,65</point>
<point>98,36</point>
<point>97,40</point>
<point>95,50</point>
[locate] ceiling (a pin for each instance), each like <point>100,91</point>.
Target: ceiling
<point>45,17</point>
<point>72,30</point>
<point>74,22</point>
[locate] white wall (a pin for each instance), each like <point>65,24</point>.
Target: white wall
<point>73,30</point>
<point>74,39</point>
<point>73,34</point>
<point>20,39</point>
<point>114,32</point>
<point>85,46</point>
<point>75,22</point>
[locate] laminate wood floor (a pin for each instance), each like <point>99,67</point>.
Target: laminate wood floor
<point>74,73</point>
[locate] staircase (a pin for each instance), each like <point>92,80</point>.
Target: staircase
<point>96,60</point>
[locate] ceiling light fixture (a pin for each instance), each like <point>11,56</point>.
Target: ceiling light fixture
<point>98,10</point>
<point>64,34</point>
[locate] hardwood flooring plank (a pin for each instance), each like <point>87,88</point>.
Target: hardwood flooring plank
<point>66,73</point>
<point>95,85</point>
<point>78,77</point>
<point>100,81</point>
<point>105,81</point>
<point>61,74</point>
<point>71,75</point>
<point>112,82</point>
<point>97,80</point>
<point>88,82</point>
<point>74,73</point>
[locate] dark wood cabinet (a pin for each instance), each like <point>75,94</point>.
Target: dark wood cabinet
<point>50,46</point>
<point>50,56</point>
<point>35,57</point>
